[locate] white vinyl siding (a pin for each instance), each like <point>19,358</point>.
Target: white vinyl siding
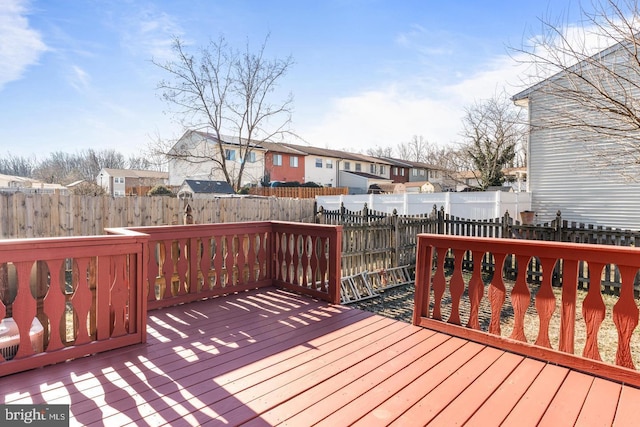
<point>562,177</point>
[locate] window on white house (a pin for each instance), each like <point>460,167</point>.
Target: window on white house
<point>277,160</point>
<point>372,168</point>
<point>347,166</point>
<point>329,164</point>
<point>230,155</point>
<point>251,157</point>
<point>293,161</point>
<point>382,171</point>
<point>358,167</point>
<point>318,163</point>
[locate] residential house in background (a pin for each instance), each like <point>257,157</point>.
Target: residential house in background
<point>13,184</point>
<point>321,165</point>
<point>422,187</point>
<point>466,181</point>
<point>398,170</point>
<point>194,153</point>
<point>283,163</point>
<point>198,189</point>
<point>129,182</point>
<point>565,172</point>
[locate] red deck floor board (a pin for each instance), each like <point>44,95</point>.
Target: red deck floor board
<point>601,403</point>
<point>568,401</point>
<point>269,356</point>
<point>384,364</point>
<point>534,403</point>
<point>466,403</point>
<point>372,374</point>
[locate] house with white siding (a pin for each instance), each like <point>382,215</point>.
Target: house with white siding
<point>129,182</point>
<point>192,157</point>
<point>328,167</point>
<point>565,172</point>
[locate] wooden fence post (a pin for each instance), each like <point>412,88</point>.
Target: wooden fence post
<point>441,228</point>
<point>319,216</point>
<point>506,225</point>
<point>559,229</point>
<point>396,237</point>
<point>433,223</point>
<point>188,217</point>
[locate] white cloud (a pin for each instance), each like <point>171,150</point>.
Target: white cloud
<point>149,32</point>
<point>79,79</point>
<point>393,114</point>
<point>20,45</point>
<point>383,118</point>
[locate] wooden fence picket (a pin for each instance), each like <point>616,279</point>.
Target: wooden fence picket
<point>54,215</point>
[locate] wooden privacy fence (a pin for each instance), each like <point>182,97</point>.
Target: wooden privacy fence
<point>375,240</point>
<point>298,192</point>
<point>53,215</point>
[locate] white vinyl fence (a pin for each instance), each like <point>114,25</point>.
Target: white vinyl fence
<point>472,205</point>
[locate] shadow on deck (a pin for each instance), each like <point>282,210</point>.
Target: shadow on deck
<point>269,357</point>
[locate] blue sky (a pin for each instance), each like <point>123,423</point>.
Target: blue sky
<point>77,75</point>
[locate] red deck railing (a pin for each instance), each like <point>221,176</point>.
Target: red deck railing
<point>82,291</point>
<point>192,262</point>
<point>91,294</point>
<point>466,293</point>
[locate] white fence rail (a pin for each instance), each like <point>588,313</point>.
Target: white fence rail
<point>471,205</point>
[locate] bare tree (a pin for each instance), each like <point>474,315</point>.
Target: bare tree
<point>380,152</point>
<point>416,150</point>
<point>17,165</point>
<point>492,131</point>
<point>223,90</point>
<point>591,78</point>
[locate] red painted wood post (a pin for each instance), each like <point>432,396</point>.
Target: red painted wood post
<point>456,286</point>
<point>476,290</point>
<point>181,254</point>
<point>497,293</point>
<point>424,263</point>
<point>81,300</point>
<point>335,271</point>
<point>625,317</point>
<point>54,303</point>
<point>140,264</point>
<point>545,302</point>
<point>520,298</point>
<point>568,312</point>
<point>24,308</point>
<point>106,271</point>
<point>593,311</point>
<point>439,282</point>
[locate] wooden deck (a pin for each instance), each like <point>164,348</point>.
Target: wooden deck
<point>270,357</point>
